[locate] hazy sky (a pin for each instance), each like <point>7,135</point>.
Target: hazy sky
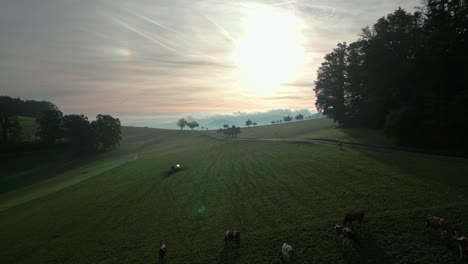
<point>164,56</point>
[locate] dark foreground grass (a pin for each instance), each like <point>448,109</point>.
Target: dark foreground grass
<point>273,192</point>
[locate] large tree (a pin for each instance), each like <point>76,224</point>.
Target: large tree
<point>79,132</point>
<point>193,124</point>
<point>181,123</point>
<point>7,113</point>
<point>330,84</point>
<point>50,126</point>
<point>299,117</point>
<point>407,74</point>
<point>108,131</point>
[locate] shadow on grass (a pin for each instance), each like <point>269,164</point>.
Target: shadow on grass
<point>170,172</point>
<point>228,255</point>
<point>369,251</point>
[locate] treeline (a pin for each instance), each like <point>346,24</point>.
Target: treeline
<point>408,74</point>
<point>26,108</point>
<point>231,131</point>
<point>53,127</point>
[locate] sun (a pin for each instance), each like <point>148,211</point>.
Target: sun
<point>270,52</point>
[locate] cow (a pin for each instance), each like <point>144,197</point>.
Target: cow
<point>441,224</point>
<point>162,252</point>
<point>463,247</point>
<point>352,216</point>
<point>346,233</point>
<point>286,254</point>
<point>230,236</point>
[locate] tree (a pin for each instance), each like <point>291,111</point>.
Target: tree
<point>192,125</point>
<point>225,126</point>
<point>15,131</point>
<point>288,118</point>
<point>79,132</point>
<point>7,112</point>
<point>248,123</point>
<point>299,117</point>
<point>330,83</point>
<point>254,123</point>
<point>50,126</point>
<point>108,131</point>
<point>232,131</point>
<point>273,122</point>
<point>181,123</point>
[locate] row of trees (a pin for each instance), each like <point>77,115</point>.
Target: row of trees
<point>250,123</point>
<point>183,123</point>
<point>232,131</point>
<point>53,126</point>
<point>289,118</point>
<point>80,133</point>
<point>408,74</point>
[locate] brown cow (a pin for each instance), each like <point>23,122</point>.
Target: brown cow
<point>162,252</point>
<point>441,224</point>
<point>347,234</point>
<point>232,235</point>
<point>352,216</point>
<point>463,247</point>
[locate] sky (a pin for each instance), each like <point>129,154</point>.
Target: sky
<point>172,57</point>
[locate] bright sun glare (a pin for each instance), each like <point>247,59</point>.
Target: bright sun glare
<point>270,51</point>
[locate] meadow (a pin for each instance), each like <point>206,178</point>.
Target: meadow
<point>118,206</point>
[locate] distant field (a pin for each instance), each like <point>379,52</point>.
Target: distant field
<point>322,128</point>
<point>117,207</point>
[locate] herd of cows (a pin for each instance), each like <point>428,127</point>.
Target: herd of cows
<point>344,232</point>
<point>348,235</point>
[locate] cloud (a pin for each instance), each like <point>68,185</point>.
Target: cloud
<point>161,56</point>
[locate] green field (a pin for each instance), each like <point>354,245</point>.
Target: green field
<point>322,128</point>
<point>118,206</point>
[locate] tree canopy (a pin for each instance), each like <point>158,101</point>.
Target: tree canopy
<point>407,74</point>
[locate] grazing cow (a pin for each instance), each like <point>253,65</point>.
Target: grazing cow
<point>463,247</point>
<point>232,235</point>
<point>162,252</point>
<point>441,224</point>
<point>346,233</point>
<point>286,254</point>
<point>352,216</point>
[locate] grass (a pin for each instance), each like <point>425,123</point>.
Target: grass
<point>322,128</point>
<point>117,207</point>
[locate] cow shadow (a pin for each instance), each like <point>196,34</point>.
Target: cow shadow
<point>369,251</point>
<point>228,255</point>
<point>171,172</point>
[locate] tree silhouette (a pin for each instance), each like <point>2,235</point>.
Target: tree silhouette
<point>299,117</point>
<point>7,112</point>
<point>287,118</point>
<point>181,123</point>
<point>192,125</point>
<point>248,123</point>
<point>405,74</point>
<point>108,131</point>
<point>50,126</point>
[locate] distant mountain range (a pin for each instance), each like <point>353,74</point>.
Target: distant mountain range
<point>239,118</point>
